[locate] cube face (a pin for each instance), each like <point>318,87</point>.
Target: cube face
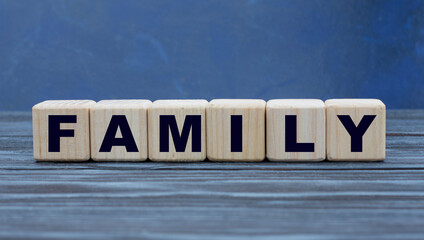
<point>177,130</point>
<point>119,130</point>
<point>366,119</point>
<point>61,130</point>
<point>236,130</point>
<point>304,130</point>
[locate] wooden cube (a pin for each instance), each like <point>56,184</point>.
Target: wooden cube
<point>119,130</point>
<point>356,130</point>
<point>236,130</point>
<point>295,130</point>
<point>177,130</point>
<point>61,130</point>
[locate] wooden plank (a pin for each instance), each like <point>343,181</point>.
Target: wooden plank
<point>188,204</point>
<point>405,122</point>
<point>237,200</point>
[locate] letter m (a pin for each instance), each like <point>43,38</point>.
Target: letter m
<point>168,122</point>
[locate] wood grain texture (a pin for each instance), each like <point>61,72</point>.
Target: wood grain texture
<point>209,200</point>
<point>310,116</point>
<point>339,140</point>
<point>135,112</point>
<point>180,109</point>
<point>75,148</point>
<point>219,114</point>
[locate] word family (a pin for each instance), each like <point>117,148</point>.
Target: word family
<point>219,130</point>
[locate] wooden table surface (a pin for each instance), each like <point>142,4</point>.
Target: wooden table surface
<point>325,200</point>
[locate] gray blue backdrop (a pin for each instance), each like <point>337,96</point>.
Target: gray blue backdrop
<point>211,49</point>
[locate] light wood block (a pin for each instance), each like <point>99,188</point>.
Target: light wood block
<point>177,130</point>
<point>302,136</point>
<point>119,130</point>
<point>365,115</point>
<point>61,130</point>
<point>228,140</point>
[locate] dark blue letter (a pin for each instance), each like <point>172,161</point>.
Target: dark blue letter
<point>356,133</point>
<point>236,133</point>
<point>127,139</point>
<point>291,137</point>
<point>55,132</point>
<point>193,122</point>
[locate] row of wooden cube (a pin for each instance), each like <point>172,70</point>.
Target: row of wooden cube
<point>220,130</point>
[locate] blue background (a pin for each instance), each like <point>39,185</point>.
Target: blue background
<point>211,49</point>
